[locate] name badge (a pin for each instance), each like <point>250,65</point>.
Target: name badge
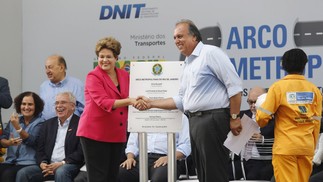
<point>300,97</point>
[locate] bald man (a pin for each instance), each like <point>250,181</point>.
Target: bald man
<point>58,81</point>
<point>254,93</point>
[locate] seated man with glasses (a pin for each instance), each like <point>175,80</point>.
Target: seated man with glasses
<point>157,149</point>
<point>257,153</point>
<point>59,153</point>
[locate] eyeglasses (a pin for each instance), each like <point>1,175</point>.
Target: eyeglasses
<point>250,102</point>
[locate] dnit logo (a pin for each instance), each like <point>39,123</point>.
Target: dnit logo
<point>126,11</point>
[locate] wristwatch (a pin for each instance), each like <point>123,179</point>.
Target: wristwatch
<point>235,116</point>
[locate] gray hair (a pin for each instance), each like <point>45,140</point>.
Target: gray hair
<point>70,96</point>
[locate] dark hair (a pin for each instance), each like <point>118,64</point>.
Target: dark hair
<point>193,30</point>
<point>39,103</point>
<point>294,61</point>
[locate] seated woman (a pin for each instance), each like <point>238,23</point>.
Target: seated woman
<point>20,135</point>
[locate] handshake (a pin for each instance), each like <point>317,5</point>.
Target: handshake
<point>141,103</point>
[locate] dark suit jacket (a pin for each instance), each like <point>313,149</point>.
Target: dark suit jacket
<point>47,138</point>
<point>5,97</point>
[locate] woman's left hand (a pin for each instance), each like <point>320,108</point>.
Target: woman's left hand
<point>14,119</point>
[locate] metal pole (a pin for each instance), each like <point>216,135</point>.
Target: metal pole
<point>171,167</point>
<point>143,157</point>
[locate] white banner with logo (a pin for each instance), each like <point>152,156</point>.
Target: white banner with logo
<point>155,80</point>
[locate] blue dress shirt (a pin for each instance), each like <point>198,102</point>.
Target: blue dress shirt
<point>49,90</point>
<point>209,79</point>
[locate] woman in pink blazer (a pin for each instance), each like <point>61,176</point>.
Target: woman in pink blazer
<point>103,124</point>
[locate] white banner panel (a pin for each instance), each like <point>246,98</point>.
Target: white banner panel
<point>254,33</point>
<point>155,80</point>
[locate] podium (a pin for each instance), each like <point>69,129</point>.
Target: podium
<point>143,158</point>
<point>155,80</point>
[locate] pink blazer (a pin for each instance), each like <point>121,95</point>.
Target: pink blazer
<point>99,121</point>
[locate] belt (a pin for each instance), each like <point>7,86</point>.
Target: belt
<point>156,155</point>
<point>200,113</point>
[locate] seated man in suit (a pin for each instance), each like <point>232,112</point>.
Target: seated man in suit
<point>157,155</point>
<point>257,152</point>
<point>59,153</point>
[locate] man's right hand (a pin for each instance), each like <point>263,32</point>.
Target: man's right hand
<point>235,126</point>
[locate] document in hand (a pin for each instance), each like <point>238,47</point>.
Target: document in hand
<point>236,143</point>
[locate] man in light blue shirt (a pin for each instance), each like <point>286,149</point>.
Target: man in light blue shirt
<point>157,154</point>
<point>58,82</point>
<point>210,95</point>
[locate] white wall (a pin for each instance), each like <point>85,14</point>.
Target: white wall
<point>11,48</point>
